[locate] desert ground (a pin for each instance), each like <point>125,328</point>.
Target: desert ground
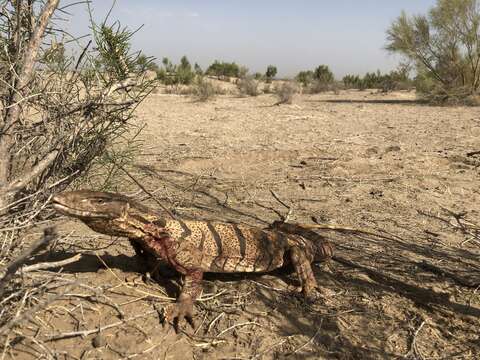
<point>399,177</point>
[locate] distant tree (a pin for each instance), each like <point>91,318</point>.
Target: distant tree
<point>184,73</point>
<point>444,45</point>
<point>184,63</point>
<point>323,74</point>
<point>198,70</point>
<point>169,67</point>
<point>271,72</point>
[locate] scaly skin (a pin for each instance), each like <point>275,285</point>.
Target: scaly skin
<point>193,247</point>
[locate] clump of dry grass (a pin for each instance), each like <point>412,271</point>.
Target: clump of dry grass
<point>318,87</point>
<point>248,86</point>
<point>204,90</point>
<point>285,92</point>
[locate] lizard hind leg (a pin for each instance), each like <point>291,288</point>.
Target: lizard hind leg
<point>304,271</point>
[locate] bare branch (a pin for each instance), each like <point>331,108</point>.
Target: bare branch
<point>50,265</point>
<point>20,184</point>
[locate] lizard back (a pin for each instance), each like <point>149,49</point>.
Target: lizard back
<point>228,247</point>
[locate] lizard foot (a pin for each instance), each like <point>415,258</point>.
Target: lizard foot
<point>176,313</point>
<point>310,295</point>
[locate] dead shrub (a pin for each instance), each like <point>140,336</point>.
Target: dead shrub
<point>318,87</point>
<point>64,111</point>
<point>204,90</point>
<point>286,92</point>
<point>248,86</point>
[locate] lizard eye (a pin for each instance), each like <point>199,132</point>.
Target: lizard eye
<point>100,201</point>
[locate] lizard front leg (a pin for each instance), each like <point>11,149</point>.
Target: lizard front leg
<point>303,268</point>
<point>183,308</point>
<point>186,260</point>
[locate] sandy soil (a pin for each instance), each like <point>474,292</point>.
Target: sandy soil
<point>407,287</point>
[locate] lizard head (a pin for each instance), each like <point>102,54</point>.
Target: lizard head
<point>106,213</point>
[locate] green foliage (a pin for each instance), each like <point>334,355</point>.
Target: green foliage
<point>184,72</point>
<point>147,63</point>
<point>181,74</point>
<point>198,70</point>
<point>319,80</point>
<point>168,66</point>
<point>395,80</point>
<point>113,44</point>
<point>444,45</point>
<point>54,57</point>
<point>223,69</point>
<point>258,76</point>
<point>323,75</point>
<point>271,72</point>
<point>352,82</point>
<point>305,77</point>
<point>85,100</point>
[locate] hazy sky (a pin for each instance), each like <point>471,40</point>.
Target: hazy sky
<point>294,35</point>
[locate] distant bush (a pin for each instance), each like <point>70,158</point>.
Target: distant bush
<point>248,86</point>
<point>286,91</point>
<point>181,74</point>
<point>305,77</point>
<point>258,76</point>
<point>223,69</point>
<point>395,80</point>
<point>317,87</point>
<point>184,72</point>
<point>204,90</point>
<point>319,80</point>
<point>352,81</point>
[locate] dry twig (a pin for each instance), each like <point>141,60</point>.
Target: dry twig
<point>66,335</point>
<point>48,235</point>
<point>50,265</point>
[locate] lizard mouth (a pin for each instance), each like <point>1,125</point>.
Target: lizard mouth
<point>69,211</point>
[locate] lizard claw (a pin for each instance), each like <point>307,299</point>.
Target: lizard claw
<point>176,313</point>
<point>309,294</point>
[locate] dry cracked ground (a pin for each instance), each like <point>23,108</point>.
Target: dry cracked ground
<point>402,176</point>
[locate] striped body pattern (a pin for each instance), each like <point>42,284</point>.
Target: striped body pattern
<point>227,247</point>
